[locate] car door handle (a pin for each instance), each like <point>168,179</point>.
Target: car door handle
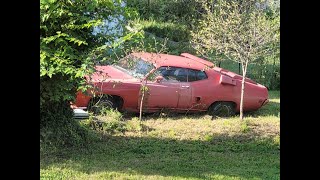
<point>186,87</point>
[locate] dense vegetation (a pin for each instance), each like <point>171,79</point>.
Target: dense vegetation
<point>67,46</point>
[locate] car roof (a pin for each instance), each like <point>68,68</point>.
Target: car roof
<point>159,60</point>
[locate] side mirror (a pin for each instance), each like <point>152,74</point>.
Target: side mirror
<point>159,79</point>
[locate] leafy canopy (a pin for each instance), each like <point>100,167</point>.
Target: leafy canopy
<point>67,42</point>
<point>239,31</point>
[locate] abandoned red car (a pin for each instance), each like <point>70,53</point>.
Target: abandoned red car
<point>184,83</point>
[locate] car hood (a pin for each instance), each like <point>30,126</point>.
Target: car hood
<point>107,73</point>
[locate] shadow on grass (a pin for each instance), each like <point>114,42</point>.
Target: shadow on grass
<point>270,109</point>
<point>220,155</point>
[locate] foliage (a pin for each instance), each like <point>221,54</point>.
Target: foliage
<point>244,127</point>
<point>183,11</point>
<point>139,41</point>
<point>110,121</point>
<point>67,41</point>
<point>111,127</point>
<point>59,129</point>
<point>134,125</point>
<point>173,31</point>
<point>167,21</point>
<point>238,31</point>
<point>235,31</point>
<point>73,35</point>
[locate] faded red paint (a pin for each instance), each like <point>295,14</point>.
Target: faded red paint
<point>221,85</point>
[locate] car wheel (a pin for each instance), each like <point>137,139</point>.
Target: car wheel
<point>98,104</point>
<point>222,109</point>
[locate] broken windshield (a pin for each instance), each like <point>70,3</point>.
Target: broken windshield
<point>134,66</point>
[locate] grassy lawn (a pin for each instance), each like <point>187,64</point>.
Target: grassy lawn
<point>178,147</point>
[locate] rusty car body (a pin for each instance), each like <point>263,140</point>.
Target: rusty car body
<point>184,83</point>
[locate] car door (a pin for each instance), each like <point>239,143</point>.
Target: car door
<point>163,94</point>
<point>185,89</point>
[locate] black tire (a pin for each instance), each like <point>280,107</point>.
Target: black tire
<point>222,109</point>
<point>96,105</point>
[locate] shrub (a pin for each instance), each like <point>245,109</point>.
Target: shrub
<point>109,121</point>
<point>245,126</point>
<point>134,125</point>
<point>58,128</point>
<point>67,47</point>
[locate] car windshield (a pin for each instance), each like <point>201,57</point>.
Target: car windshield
<point>134,66</point>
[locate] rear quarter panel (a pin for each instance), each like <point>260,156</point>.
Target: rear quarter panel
<point>212,91</point>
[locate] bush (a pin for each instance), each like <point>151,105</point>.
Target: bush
<point>67,47</point>
<point>166,10</point>
<point>58,127</point>
<point>134,125</point>
<point>109,121</point>
<point>173,31</point>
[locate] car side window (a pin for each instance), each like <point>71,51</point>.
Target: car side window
<point>196,75</point>
<point>192,75</point>
<point>201,75</point>
<point>176,74</point>
<point>181,74</point>
<point>172,74</point>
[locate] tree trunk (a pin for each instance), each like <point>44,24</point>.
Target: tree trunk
<point>141,103</point>
<point>273,74</point>
<point>244,71</point>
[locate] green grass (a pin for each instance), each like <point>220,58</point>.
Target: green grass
<point>173,31</point>
<point>178,147</point>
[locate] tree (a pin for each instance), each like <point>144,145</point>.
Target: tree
<point>68,46</point>
<point>239,31</point>
<point>67,41</point>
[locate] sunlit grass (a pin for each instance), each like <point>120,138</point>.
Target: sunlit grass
<point>181,146</point>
